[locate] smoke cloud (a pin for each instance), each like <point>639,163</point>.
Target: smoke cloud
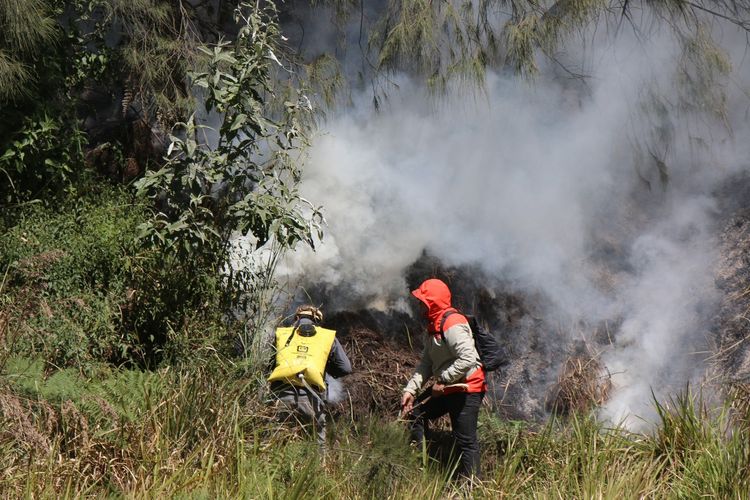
<point>545,186</point>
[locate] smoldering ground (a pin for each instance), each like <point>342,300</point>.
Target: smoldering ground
<point>593,201</point>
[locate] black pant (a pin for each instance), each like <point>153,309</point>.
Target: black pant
<point>464,412</point>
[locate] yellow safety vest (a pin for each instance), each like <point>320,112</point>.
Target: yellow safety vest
<point>297,354</point>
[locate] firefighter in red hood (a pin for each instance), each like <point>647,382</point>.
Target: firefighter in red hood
<point>451,357</point>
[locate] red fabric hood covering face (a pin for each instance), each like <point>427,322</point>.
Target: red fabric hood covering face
<point>437,297</point>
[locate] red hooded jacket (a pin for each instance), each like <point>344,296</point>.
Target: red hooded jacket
<point>436,295</point>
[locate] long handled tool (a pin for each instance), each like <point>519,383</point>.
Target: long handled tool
<point>426,395</point>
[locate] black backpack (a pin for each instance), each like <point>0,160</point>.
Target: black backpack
<point>490,351</point>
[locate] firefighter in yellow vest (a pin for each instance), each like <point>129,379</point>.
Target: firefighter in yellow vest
<point>305,354</point>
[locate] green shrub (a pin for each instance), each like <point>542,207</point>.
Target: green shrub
<point>68,271</point>
<point>177,308</point>
<point>79,288</point>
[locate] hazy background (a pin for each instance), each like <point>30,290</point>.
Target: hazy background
<point>552,186</point>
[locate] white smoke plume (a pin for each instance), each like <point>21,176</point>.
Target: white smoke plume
<point>527,181</point>
<point>335,392</point>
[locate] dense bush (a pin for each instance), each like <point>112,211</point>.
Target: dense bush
<point>67,273</point>
<point>80,288</point>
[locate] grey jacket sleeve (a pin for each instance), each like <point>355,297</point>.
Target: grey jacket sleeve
<point>269,347</point>
<point>338,363</point>
<point>421,374</point>
<point>461,343</point>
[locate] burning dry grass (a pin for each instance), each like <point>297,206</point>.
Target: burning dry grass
<point>583,384</point>
<point>732,276</point>
<point>382,367</point>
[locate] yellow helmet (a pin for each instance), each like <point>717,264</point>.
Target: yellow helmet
<point>308,311</point>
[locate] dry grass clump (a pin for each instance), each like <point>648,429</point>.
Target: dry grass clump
<point>35,267</point>
<point>381,369</point>
<point>194,422</point>
<point>583,384</point>
<point>48,449</point>
<point>739,398</point>
<point>19,425</point>
<point>3,325</point>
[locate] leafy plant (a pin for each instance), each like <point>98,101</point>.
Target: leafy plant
<point>244,181</point>
<point>41,140</point>
<point>43,157</point>
<point>68,274</point>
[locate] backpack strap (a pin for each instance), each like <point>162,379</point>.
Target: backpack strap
<point>301,328</point>
<point>289,339</point>
<point>442,322</point>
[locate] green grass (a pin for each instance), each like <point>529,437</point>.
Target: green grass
<point>204,433</point>
<point>67,270</point>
